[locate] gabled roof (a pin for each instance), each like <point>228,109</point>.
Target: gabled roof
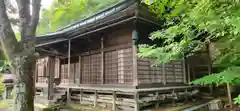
<point>120,11</point>
<point>98,16</point>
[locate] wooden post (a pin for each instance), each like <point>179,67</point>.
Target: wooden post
<point>174,73</point>
<point>173,101</point>
<point>50,77</point>
<point>209,66</point>
<point>186,97</point>
<point>134,51</point>
<point>95,98</point>
<point>81,96</point>
<point>69,60</point>
<point>164,74</point>
<point>68,95</point>
<point>114,101</point>
<point>102,61</point>
<point>136,98</point>
<point>184,71</point>
<point>157,102</point>
<point>80,70</point>
<point>188,72</point>
<point>229,95</point>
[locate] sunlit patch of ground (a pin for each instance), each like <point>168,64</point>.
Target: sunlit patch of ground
<point>77,107</point>
<point>5,105</point>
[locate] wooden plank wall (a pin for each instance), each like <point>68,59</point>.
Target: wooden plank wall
<point>148,74</point>
<point>91,69</point>
<point>172,72</point>
<point>111,63</point>
<point>118,67</point>
<point>69,78</point>
<point>42,69</point>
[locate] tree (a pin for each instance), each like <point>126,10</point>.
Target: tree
<point>65,12</point>
<point>21,54</point>
<point>190,25</point>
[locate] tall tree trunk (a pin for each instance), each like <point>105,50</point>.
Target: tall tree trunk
<point>24,84</point>
<point>21,54</point>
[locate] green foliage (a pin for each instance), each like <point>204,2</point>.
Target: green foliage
<point>2,87</point>
<point>230,75</point>
<point>4,66</point>
<point>64,12</point>
<point>189,26</point>
<point>237,100</point>
<point>192,24</point>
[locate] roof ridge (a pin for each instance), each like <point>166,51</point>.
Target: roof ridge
<point>98,13</point>
<point>101,14</point>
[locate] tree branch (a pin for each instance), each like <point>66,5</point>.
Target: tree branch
<point>7,37</point>
<point>36,5</point>
<point>24,17</point>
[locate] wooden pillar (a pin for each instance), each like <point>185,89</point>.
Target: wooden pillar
<point>184,72</point>
<point>51,71</point>
<point>95,98</point>
<point>69,64</point>
<point>188,73</point>
<point>186,97</point>
<point>173,101</point>
<point>102,61</point>
<point>136,99</point>
<point>158,101</point>
<point>81,96</point>
<point>68,95</point>
<point>114,101</point>
<point>69,58</point>
<point>209,66</point>
<point>134,50</point>
<point>174,73</point>
<point>80,69</point>
<point>163,74</point>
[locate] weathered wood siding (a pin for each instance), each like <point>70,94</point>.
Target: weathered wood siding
<point>91,69</point>
<point>43,69</point>
<point>118,67</point>
<point>172,72</point>
<point>103,61</point>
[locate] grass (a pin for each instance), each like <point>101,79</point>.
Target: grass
<point>72,107</point>
<point>77,107</point>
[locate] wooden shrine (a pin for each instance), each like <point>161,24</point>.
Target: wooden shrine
<point>96,63</point>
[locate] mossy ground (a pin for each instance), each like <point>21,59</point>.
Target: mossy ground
<point>6,106</point>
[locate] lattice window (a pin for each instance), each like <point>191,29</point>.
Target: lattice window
<point>72,73</point>
<point>64,73</point>
<point>57,68</point>
<point>41,67</point>
<point>96,69</point>
<point>77,73</point>
<point>86,70</point>
<point>118,67</point>
<point>125,63</point>
<point>110,67</point>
